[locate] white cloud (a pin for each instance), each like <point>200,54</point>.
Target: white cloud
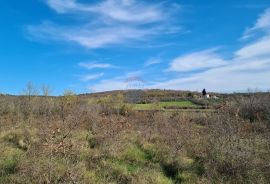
<point>129,80</point>
<point>137,73</point>
<point>93,65</point>
<point>119,10</point>
<point>102,37</point>
<point>196,61</point>
<point>152,61</point>
<point>89,36</point>
<point>47,30</point>
<point>106,23</point>
<point>264,20</point>
<point>238,75</point>
<point>259,48</point>
<point>109,85</point>
<point>262,23</point>
<point>249,67</point>
<point>62,6</point>
<point>86,78</point>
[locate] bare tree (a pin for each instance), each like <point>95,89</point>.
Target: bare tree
<point>29,93</point>
<point>46,90</point>
<point>46,104</point>
<point>30,90</point>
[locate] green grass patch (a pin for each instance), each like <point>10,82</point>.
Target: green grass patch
<point>20,138</point>
<point>165,105</point>
<point>124,166</point>
<point>133,154</point>
<point>183,103</point>
<point>149,106</point>
<point>9,159</point>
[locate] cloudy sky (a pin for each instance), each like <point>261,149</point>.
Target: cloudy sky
<point>100,45</point>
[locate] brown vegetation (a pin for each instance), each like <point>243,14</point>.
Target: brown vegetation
<point>80,139</point>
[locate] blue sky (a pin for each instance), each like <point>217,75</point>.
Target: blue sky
<point>91,46</point>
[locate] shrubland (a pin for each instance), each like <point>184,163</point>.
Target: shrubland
<point>75,139</point>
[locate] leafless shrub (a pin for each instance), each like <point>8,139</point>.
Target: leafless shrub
<point>232,152</point>
<point>109,105</point>
<point>254,106</point>
<point>72,139</point>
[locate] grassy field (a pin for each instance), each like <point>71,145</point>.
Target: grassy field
<point>166,104</point>
<point>145,106</point>
<point>184,103</point>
